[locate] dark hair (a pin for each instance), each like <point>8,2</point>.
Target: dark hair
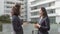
<point>44,12</point>
<point>16,9</point>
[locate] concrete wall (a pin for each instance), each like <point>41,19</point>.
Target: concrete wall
<point>28,11</point>
<point>1,7</point>
<point>57,4</point>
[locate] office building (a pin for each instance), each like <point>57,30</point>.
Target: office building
<point>52,7</point>
<point>6,6</point>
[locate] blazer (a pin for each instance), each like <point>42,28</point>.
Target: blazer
<point>17,22</point>
<point>45,26</point>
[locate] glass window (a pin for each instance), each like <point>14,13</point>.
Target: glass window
<point>9,2</point>
<point>36,1</point>
<point>34,13</point>
<point>52,4</point>
<point>51,11</point>
<point>7,11</point>
<point>52,19</point>
<point>33,8</point>
<point>34,19</point>
<point>43,5</point>
<point>33,2</point>
<point>8,7</point>
<point>21,0</point>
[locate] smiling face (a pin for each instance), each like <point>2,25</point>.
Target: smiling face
<point>41,12</point>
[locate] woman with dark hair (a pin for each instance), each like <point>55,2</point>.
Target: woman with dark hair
<point>44,22</point>
<point>16,21</point>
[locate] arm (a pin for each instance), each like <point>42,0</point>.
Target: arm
<point>15,24</point>
<point>21,22</point>
<point>47,23</point>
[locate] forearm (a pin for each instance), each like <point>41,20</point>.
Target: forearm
<point>44,28</point>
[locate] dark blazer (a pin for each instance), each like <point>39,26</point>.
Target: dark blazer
<point>17,22</point>
<point>45,26</point>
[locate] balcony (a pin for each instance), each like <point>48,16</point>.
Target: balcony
<point>35,10</point>
<point>8,4</point>
<point>34,16</point>
<point>8,9</point>
<point>44,2</point>
<point>20,2</point>
<point>53,14</point>
<point>38,9</point>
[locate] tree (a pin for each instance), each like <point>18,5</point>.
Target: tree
<point>5,19</point>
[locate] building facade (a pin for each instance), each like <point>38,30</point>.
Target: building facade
<point>24,10</point>
<point>52,7</point>
<point>1,7</point>
<point>6,6</point>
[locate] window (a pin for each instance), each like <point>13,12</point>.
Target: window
<point>52,4</point>
<point>34,13</point>
<point>36,1</point>
<point>26,16</point>
<point>33,8</point>
<point>43,5</point>
<point>37,7</point>
<point>7,11</point>
<point>51,11</point>
<point>8,7</point>
<point>34,19</point>
<point>52,19</point>
<point>21,0</point>
<point>33,2</point>
<point>10,2</point>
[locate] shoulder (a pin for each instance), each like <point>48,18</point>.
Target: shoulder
<point>14,17</point>
<point>47,19</point>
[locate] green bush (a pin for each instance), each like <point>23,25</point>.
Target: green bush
<point>0,27</point>
<point>33,22</point>
<point>5,19</point>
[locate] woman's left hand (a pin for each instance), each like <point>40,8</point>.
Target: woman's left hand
<point>37,26</point>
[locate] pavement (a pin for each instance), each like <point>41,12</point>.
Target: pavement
<point>29,28</point>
